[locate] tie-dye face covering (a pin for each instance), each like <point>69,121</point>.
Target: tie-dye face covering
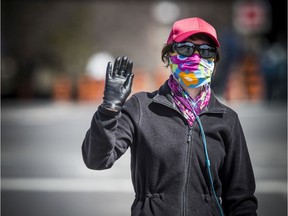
<point>192,71</point>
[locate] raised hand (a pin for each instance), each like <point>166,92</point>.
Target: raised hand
<point>118,83</point>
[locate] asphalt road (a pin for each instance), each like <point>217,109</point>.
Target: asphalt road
<point>43,173</point>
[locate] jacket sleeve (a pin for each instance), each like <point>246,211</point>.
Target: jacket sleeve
<point>237,175</point>
<point>109,136</point>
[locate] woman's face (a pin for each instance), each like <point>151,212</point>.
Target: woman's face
<point>192,71</point>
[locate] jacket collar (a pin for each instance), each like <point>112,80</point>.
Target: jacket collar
<point>164,97</point>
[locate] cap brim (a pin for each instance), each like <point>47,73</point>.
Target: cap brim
<point>185,35</point>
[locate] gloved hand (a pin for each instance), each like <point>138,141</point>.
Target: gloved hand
<point>118,84</point>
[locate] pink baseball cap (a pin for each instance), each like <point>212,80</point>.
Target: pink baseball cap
<point>184,28</point>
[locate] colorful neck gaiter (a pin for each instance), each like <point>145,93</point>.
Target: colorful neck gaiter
<point>189,107</point>
<point>192,71</point>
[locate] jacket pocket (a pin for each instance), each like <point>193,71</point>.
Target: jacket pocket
<point>212,203</point>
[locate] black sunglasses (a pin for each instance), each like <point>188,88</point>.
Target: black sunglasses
<point>187,49</point>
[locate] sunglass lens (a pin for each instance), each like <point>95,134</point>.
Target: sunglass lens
<point>185,50</point>
<point>207,52</point>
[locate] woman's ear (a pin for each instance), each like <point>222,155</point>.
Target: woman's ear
<point>168,59</point>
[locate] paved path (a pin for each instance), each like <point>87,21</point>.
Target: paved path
<point>43,173</point>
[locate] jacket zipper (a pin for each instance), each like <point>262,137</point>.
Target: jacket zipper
<point>187,160</point>
<point>187,170</point>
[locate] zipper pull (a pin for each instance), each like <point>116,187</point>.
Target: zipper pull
<point>189,135</point>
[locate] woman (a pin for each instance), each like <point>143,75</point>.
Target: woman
<point>188,151</point>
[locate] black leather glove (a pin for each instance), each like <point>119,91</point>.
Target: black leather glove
<point>118,84</point>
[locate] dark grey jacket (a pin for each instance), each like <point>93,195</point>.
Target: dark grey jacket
<point>167,156</point>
